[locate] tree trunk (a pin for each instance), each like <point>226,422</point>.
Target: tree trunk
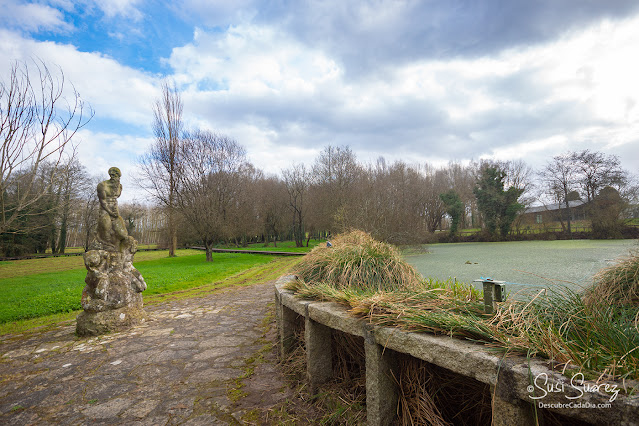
<point>87,237</point>
<point>568,218</point>
<point>172,225</point>
<point>53,240</point>
<point>172,233</point>
<point>209,252</point>
<point>62,245</point>
<point>299,235</point>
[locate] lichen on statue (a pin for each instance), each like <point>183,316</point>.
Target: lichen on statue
<point>112,281</point>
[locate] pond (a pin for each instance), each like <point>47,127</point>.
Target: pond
<point>534,264</point>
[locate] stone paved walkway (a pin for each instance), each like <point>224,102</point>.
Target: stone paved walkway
<point>183,366</point>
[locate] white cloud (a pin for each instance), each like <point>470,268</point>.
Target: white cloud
<point>120,96</point>
<point>251,60</point>
<point>33,17</point>
<point>120,8</point>
<point>277,93</point>
<point>99,151</point>
<point>285,100</point>
<point>114,91</point>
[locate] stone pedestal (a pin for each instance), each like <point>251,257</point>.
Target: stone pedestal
<point>96,323</point>
<point>112,297</point>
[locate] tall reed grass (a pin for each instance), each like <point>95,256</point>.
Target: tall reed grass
<point>597,337</point>
<point>617,284</point>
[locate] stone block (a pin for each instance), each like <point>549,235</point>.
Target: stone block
<point>319,367</point>
<point>381,386</point>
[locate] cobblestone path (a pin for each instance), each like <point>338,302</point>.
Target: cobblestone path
<point>188,364</point>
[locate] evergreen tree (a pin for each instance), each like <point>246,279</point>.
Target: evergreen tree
<point>498,207</point>
<point>454,207</point>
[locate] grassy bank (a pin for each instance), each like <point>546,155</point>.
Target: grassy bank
<point>43,287</point>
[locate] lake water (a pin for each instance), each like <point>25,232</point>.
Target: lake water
<point>534,263</point>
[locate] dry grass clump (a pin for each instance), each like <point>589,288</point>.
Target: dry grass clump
<point>597,331</point>
<point>357,261</point>
<point>617,284</point>
<point>448,308</point>
<point>453,309</point>
<point>341,401</point>
<point>345,394</point>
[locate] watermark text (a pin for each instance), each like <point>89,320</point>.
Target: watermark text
<point>574,390</point>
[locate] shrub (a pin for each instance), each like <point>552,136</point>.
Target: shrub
<point>357,261</point>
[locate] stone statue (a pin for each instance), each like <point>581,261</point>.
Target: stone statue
<point>111,229</point>
<point>112,298</point>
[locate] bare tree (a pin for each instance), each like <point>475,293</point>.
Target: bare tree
<point>88,206</point>
<point>597,170</point>
<point>161,166</point>
<point>398,202</point>
<point>74,179</point>
<point>334,176</point>
<point>133,214</point>
<point>462,180</point>
<point>243,215</point>
<point>273,203</point>
<point>435,183</point>
<point>296,179</point>
<point>37,124</point>
<point>559,177</point>
<point>209,185</point>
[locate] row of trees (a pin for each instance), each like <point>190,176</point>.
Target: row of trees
<point>66,211</point>
<point>206,191</point>
<point>206,180</point>
<point>229,200</point>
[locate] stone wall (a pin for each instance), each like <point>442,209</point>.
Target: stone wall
<point>521,388</point>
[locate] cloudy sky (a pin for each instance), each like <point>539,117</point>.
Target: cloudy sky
<point>423,81</point>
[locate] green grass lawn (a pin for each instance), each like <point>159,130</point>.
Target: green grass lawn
<point>288,246</point>
<point>21,268</point>
<point>40,287</point>
<point>178,273</point>
<point>81,249</point>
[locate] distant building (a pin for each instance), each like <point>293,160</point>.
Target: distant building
<point>554,213</point>
<point>632,212</point>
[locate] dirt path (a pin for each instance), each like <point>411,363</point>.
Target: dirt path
<point>200,361</point>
